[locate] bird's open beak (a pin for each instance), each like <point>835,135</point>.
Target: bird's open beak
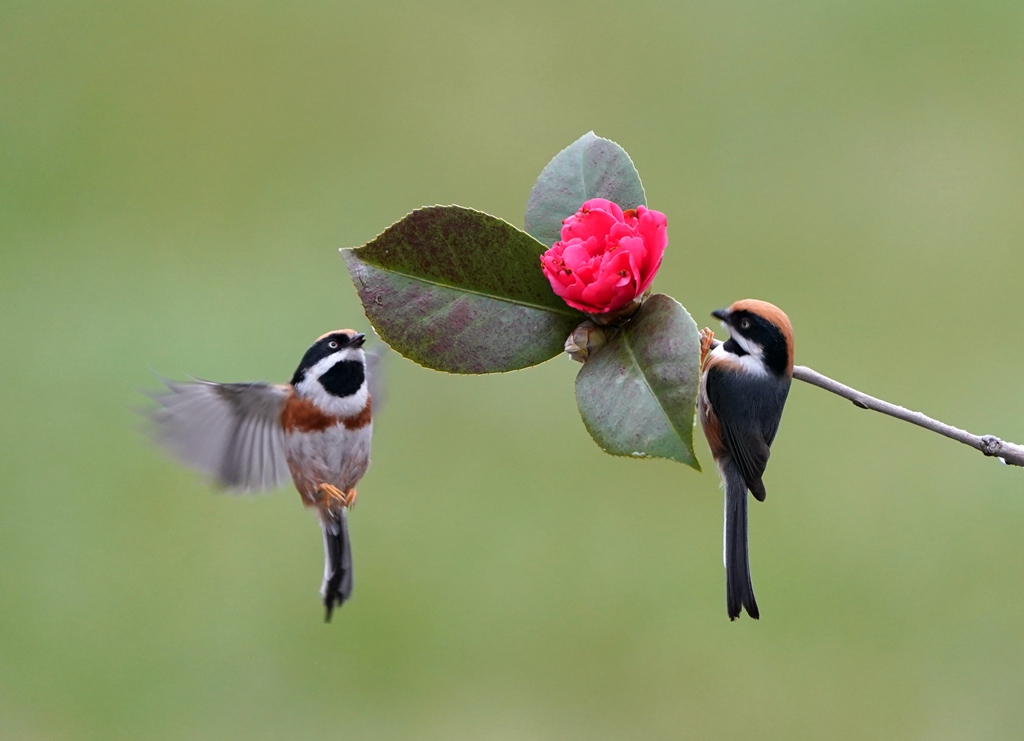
<point>358,340</point>
<point>722,314</point>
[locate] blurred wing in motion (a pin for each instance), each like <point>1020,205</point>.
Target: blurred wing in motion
<point>376,360</point>
<point>231,431</point>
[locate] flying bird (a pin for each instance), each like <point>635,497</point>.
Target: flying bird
<point>743,389</point>
<point>315,431</point>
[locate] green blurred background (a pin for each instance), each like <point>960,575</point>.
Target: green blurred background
<point>175,181</point>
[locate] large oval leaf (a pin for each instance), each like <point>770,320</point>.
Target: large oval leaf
<point>590,167</point>
<point>637,394</point>
<point>461,291</point>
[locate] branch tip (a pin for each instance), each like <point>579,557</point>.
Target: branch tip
<point>1011,454</point>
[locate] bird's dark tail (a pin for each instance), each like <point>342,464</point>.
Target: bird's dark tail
<point>738,587</point>
<point>337,586</point>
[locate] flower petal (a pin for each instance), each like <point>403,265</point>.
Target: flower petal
<point>606,257</point>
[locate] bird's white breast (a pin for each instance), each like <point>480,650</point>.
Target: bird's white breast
<point>337,456</point>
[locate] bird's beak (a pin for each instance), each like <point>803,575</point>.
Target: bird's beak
<point>722,314</point>
<point>358,340</point>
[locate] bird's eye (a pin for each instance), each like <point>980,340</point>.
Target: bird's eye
<point>333,345</point>
<point>744,324</point>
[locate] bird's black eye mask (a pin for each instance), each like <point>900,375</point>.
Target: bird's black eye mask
<point>759,330</point>
<point>753,327</point>
<point>318,352</point>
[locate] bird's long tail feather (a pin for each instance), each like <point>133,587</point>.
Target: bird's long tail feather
<point>738,587</point>
<point>337,586</point>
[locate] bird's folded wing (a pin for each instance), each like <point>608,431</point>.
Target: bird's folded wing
<point>739,415</point>
<point>231,431</point>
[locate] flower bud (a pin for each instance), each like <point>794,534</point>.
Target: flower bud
<point>585,340</point>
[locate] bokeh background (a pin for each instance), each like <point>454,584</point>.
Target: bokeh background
<point>175,181</point>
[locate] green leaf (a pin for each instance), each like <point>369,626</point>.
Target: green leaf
<point>638,393</point>
<point>590,167</point>
<point>461,291</point>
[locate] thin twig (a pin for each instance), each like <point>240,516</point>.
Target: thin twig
<point>1010,453</point>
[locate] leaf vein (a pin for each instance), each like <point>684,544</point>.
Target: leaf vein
<point>647,383</point>
<point>519,302</point>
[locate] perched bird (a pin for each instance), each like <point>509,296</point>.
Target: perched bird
<point>251,436</point>
<point>743,388</point>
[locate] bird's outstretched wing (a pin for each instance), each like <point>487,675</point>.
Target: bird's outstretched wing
<point>231,431</point>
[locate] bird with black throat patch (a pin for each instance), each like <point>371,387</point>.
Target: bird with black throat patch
<point>743,389</point>
<point>315,431</point>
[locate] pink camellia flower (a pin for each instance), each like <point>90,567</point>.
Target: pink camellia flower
<point>606,257</point>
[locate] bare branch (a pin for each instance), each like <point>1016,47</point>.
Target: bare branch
<point>1009,453</point>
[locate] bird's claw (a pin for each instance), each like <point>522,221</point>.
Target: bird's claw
<point>333,497</point>
<point>707,340</point>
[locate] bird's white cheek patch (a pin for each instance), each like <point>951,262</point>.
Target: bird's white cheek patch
<point>751,348</point>
<point>324,365</point>
<point>745,363</point>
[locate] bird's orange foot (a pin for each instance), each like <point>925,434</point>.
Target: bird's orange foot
<point>333,497</point>
<point>707,339</point>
